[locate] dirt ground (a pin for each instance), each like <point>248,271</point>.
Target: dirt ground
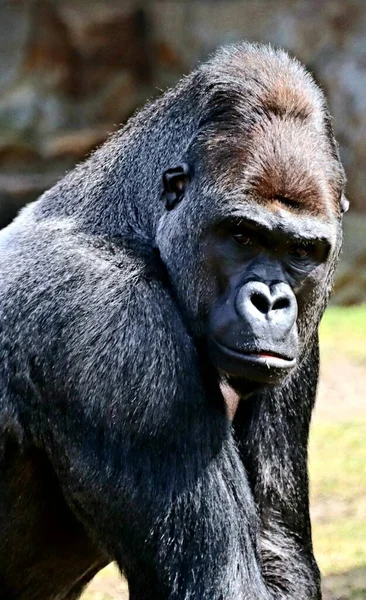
<point>341,394</point>
<point>340,398</point>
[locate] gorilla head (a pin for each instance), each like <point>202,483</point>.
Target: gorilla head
<point>258,200</point>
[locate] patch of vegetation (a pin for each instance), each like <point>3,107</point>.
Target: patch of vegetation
<point>341,447</point>
<point>337,462</point>
<point>337,474</point>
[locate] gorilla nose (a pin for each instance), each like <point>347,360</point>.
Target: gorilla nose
<point>257,303</point>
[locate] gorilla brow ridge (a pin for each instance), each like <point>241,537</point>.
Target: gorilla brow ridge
<point>234,109</point>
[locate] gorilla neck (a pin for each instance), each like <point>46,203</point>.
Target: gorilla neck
<point>231,398</point>
<point>234,392</point>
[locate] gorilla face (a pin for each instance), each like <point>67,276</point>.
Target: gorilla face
<point>251,265</point>
<point>266,265</point>
<point>262,271</point>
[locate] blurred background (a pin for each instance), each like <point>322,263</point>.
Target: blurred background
<point>72,71</point>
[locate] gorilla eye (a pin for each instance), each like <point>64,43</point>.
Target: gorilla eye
<point>301,251</point>
<point>243,239</point>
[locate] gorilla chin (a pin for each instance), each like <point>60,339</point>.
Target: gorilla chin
<point>264,367</point>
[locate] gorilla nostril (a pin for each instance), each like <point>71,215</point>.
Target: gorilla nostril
<point>261,302</point>
<point>281,303</point>
<point>257,300</point>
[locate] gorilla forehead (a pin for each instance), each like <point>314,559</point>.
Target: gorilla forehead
<point>267,130</point>
<point>279,165</point>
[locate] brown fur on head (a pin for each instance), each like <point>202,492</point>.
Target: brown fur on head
<point>269,129</point>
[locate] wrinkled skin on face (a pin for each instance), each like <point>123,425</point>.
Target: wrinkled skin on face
<point>262,268</point>
<point>266,269</point>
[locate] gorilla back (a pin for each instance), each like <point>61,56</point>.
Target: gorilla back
<point>187,261</point>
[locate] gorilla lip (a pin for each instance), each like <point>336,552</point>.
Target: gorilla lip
<point>267,358</point>
<point>270,359</point>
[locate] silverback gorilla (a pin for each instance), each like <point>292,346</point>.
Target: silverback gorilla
<point>188,259</point>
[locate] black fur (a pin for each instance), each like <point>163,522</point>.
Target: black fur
<point>115,442</point>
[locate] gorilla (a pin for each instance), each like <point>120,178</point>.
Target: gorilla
<point>159,350</point>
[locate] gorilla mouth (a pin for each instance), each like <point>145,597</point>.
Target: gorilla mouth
<point>264,364</point>
<point>267,356</point>
<point>275,358</point>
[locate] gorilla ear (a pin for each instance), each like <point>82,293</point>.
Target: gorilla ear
<point>175,182</point>
<point>344,204</point>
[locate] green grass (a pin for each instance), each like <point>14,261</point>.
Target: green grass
<point>337,462</point>
<point>343,329</point>
<point>341,446</point>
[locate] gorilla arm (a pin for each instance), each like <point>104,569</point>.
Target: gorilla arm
<point>137,435</point>
<point>272,430</point>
